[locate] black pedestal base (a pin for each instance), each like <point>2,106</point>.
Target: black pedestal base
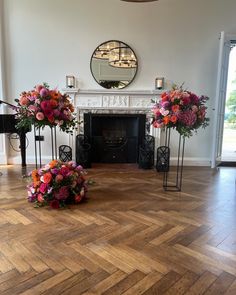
<point>176,185</point>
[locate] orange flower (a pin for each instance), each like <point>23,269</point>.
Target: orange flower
<point>71,107</point>
<point>34,173</point>
<point>53,103</point>
<point>36,183</point>
<point>34,93</point>
<point>35,176</point>
<point>53,163</point>
<point>55,94</point>
<point>175,108</point>
<point>166,120</point>
<point>47,177</point>
<point>173,119</point>
<point>164,96</point>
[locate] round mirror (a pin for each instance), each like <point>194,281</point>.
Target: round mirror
<point>113,64</point>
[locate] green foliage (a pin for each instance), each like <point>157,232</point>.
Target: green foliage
<point>231,105</point>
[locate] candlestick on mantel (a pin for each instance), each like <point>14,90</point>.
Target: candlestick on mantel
<point>70,82</point>
<point>159,83</point>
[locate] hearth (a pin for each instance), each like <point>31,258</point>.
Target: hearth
<point>114,138</point>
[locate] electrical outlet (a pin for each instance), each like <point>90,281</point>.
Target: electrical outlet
<point>39,138</point>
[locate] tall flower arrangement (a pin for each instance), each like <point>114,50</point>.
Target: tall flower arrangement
<point>43,106</point>
<point>57,184</point>
<point>182,110</point>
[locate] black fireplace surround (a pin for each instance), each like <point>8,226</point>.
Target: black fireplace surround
<point>114,138</point>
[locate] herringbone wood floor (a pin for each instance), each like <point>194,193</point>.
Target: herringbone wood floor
<point>131,237</point>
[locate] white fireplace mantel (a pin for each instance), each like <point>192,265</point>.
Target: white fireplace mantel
<point>74,91</point>
<point>113,99</point>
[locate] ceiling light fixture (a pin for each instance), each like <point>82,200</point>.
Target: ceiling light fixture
<point>122,57</point>
<point>103,51</point>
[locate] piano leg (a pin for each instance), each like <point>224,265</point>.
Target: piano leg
<point>22,148</point>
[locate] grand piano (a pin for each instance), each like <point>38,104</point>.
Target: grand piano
<point>8,125</point>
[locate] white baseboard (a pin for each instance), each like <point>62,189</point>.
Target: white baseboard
<point>16,160</point>
<point>188,161</point>
<point>3,159</point>
<point>192,161</point>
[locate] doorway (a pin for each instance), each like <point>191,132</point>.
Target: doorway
<point>229,134</point>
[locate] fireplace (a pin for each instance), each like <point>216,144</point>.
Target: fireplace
<point>114,138</point>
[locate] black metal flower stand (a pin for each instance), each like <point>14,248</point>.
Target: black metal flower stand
<point>175,185</point>
<point>38,148</point>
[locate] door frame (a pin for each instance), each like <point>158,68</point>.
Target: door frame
<point>220,98</point>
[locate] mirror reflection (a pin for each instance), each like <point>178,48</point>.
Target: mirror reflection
<point>113,64</point>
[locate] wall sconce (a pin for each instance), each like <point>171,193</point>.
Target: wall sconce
<point>159,83</point>
<point>70,82</point>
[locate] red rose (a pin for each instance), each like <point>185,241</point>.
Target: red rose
<point>78,198</point>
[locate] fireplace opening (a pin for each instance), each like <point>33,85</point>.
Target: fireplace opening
<point>114,138</point>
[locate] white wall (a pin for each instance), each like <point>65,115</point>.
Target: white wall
<point>177,39</point>
<point>3,149</point>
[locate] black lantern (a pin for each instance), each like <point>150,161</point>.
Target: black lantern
<point>159,83</point>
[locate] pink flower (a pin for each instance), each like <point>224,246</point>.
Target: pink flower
<point>79,168</point>
<point>43,92</point>
<point>43,188</point>
<point>39,87</point>
<point>64,171</point>
<point>202,113</point>
<point>165,104</point>
<point>194,108</point>
<point>157,125</point>
<point>72,164</point>
<point>33,97</point>
<point>40,198</point>
<point>54,170</point>
<point>33,108</point>
<point>56,112</point>
<point>45,105</point>
<point>62,194</point>
<point>59,178</point>
<point>194,98</point>
<point>40,116</point>
<point>186,100</point>
<point>24,101</point>
<point>164,112</point>
<point>187,118</point>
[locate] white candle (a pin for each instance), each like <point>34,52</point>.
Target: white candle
<point>159,83</point>
<point>70,81</point>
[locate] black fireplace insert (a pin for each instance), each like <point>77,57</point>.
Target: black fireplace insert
<point>114,138</point>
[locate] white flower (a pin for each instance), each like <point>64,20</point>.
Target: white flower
<point>164,112</point>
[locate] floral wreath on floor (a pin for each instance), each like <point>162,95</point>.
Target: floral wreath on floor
<point>43,106</point>
<point>182,110</point>
<point>57,184</point>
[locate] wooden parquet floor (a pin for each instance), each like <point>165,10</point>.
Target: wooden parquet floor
<point>130,238</point>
